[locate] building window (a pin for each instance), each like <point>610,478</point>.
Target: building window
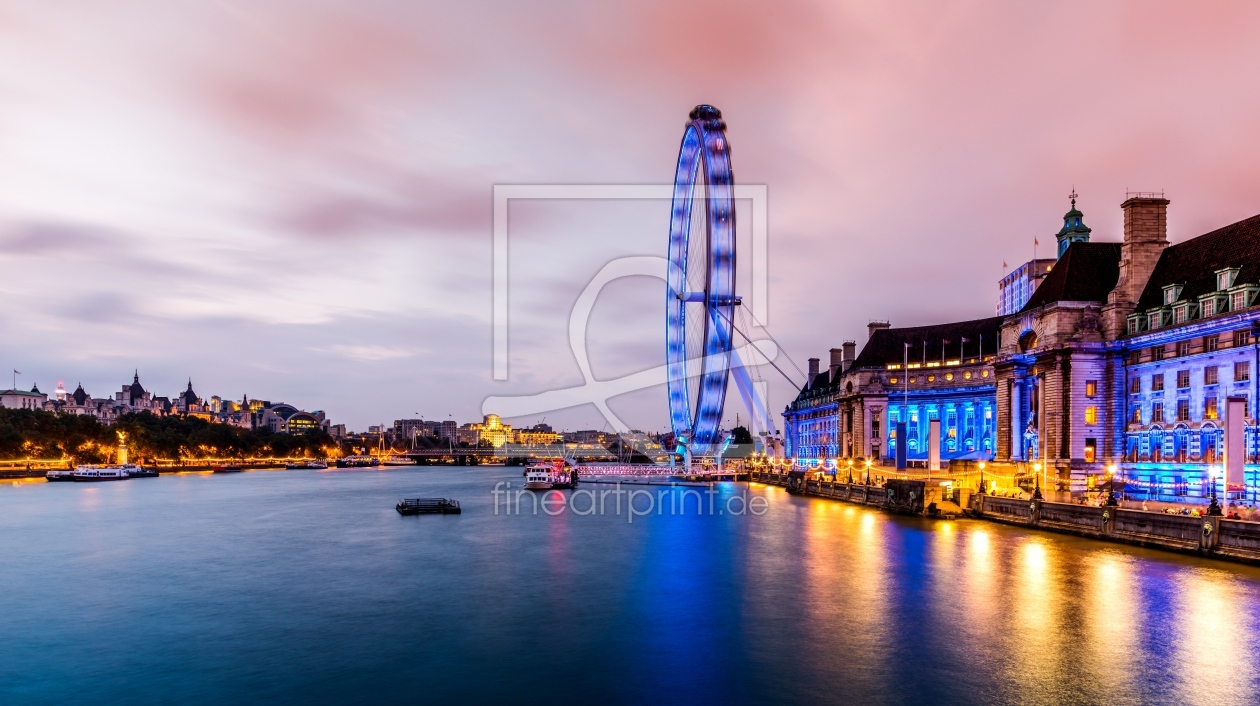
<point>1157,412</point>
<point>1183,379</point>
<point>1137,415</point>
<point>949,377</point>
<point>1209,307</point>
<point>931,378</point>
<point>1135,385</point>
<point>1209,408</point>
<point>1183,348</point>
<point>1155,320</point>
<point>914,381</point>
<point>1211,343</point>
<point>1133,326</point>
<point>1157,382</point>
<point>1091,388</point>
<point>1238,301</point>
<point>1242,371</point>
<point>1170,294</point>
<point>892,381</point>
<point>1183,410</point>
<point>1135,356</point>
<point>1242,338</point>
<point>1091,450</point>
<point>1211,375</point>
<point>1091,415</point>
<point>1157,352</point>
<point>984,373</point>
<point>967,375</point>
<point>1179,315</point>
<point>1224,280</point>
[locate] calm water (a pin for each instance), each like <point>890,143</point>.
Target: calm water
<point>306,587</point>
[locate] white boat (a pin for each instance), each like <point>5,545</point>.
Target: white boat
<point>399,460</point>
<point>538,478</point>
<point>59,476</point>
<point>317,465</point>
<point>93,474</point>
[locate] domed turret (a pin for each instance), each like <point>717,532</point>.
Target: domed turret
<point>1074,229</point>
<point>136,391</point>
<point>80,397</point>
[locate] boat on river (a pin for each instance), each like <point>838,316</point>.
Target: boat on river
<point>62,475</point>
<point>228,468</point>
<point>557,474</point>
<point>314,464</point>
<point>96,474</point>
<point>428,506</point>
<point>399,460</point>
<point>358,462</point>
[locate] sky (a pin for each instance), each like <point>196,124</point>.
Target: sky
<point>293,199</point>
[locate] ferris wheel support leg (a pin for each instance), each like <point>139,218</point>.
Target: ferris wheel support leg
<point>752,400</point>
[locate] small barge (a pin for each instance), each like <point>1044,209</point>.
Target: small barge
<point>232,468</point>
<point>428,506</point>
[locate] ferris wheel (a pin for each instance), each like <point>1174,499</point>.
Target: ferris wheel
<point>701,303</point>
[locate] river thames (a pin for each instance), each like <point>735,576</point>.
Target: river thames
<point>307,587</point>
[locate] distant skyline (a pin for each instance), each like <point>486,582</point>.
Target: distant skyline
<point>292,200</point>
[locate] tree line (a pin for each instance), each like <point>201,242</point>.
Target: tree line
<point>36,434</point>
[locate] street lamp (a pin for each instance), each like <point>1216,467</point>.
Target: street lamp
<point>868,471</point>
<point>1214,509</point>
<point>1037,480</point>
<point>1111,486</point>
<point>982,489</point>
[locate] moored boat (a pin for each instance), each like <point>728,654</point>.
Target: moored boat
<point>399,460</point>
<point>306,465</point>
<point>134,471</point>
<point>63,475</point>
<point>428,506</point>
<point>228,468</point>
<point>358,462</point>
<point>94,474</point>
<point>557,474</point>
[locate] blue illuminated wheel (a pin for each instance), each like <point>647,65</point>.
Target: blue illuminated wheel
<point>700,302</point>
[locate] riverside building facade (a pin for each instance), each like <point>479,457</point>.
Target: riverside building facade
<point>1120,362</point>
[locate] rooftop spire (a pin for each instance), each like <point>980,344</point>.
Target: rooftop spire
<point>1074,229</point>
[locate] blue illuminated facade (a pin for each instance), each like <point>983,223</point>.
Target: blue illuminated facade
<point>851,410</point>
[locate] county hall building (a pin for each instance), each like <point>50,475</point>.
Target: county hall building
<point>1121,358</point>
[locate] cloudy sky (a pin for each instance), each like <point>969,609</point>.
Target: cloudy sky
<point>293,199</point>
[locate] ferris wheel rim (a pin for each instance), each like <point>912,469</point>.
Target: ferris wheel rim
<point>704,150</point>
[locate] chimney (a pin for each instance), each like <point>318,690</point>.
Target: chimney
<point>874,326</point>
<point>813,371</point>
<point>850,354</point>
<point>837,362</point>
<point>1145,237</point>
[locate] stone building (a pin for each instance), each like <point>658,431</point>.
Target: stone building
<point>850,410</point>
<point>23,399</point>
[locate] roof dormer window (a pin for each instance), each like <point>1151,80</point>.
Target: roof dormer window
<point>1225,278</point>
<point>1171,293</point>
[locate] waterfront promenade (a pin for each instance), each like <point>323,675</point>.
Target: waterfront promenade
<point>1217,537</point>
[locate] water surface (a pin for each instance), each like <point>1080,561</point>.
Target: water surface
<point>307,587</point>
